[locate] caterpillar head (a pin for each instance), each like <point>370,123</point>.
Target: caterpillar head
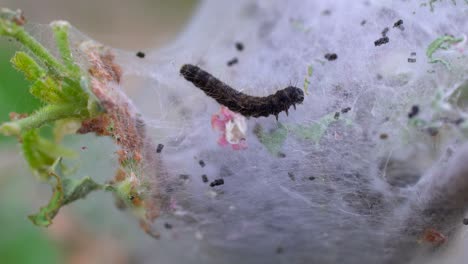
<point>295,95</point>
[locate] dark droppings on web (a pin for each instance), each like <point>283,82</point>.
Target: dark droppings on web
<point>232,62</point>
<point>204,178</point>
<point>345,110</point>
<point>217,182</point>
<point>159,148</point>
<point>239,46</point>
<point>465,221</point>
<point>381,41</point>
<point>414,111</point>
<point>399,25</point>
<point>202,163</point>
<point>385,31</point>
<point>167,226</point>
<point>281,155</point>
<point>363,22</point>
<point>384,39</point>
<point>383,136</point>
<point>311,178</point>
<point>337,115</point>
<point>140,54</point>
<point>412,60</point>
<point>331,56</point>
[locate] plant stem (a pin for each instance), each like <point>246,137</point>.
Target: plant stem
<point>47,114</point>
<point>39,51</point>
<point>63,45</point>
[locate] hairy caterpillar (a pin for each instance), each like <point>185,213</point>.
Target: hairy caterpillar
<point>241,103</point>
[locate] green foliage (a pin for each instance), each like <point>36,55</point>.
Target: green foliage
<point>57,84</point>
<point>431,3</point>
<point>28,66</point>
<point>441,43</point>
<point>63,44</point>
<point>41,153</point>
<point>43,89</point>
<point>13,97</point>
<point>65,191</point>
<point>310,71</point>
<point>314,132</point>
<point>61,86</point>
<point>78,189</point>
<point>273,140</point>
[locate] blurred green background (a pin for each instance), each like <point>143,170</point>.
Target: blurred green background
<point>73,238</point>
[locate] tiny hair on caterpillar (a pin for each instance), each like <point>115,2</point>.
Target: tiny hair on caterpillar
<point>236,101</point>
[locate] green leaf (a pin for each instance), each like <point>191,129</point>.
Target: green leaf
<point>28,66</point>
<point>9,26</point>
<point>310,70</point>
<point>53,91</point>
<point>443,43</point>
<point>48,212</point>
<point>41,153</point>
<point>317,130</point>
<point>78,189</point>
<point>306,85</point>
<point>272,141</point>
<point>65,191</point>
<point>63,45</point>
<point>47,91</point>
<point>74,93</point>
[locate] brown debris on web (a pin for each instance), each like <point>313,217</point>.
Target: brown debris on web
<point>122,122</point>
<point>433,236</point>
<point>103,66</point>
<point>18,18</point>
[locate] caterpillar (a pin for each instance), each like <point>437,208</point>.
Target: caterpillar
<point>239,102</point>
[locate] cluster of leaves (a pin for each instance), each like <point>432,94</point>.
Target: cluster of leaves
<point>441,43</point>
<point>75,101</point>
<point>431,3</point>
<point>274,140</point>
<point>449,111</point>
<point>62,87</point>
